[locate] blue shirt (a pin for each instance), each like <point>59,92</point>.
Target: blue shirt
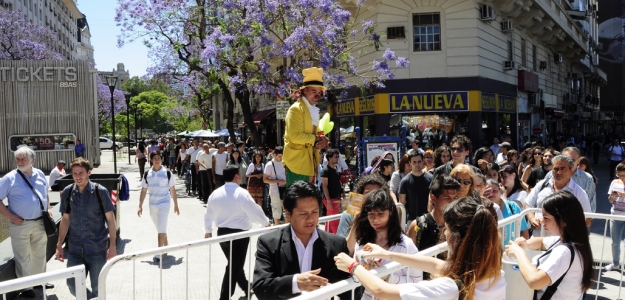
<point>88,233</point>
<point>80,150</point>
<point>508,209</point>
<point>22,201</point>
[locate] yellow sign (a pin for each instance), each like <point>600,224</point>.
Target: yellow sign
<point>366,106</point>
<point>345,108</point>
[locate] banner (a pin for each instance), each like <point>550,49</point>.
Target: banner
<point>429,102</point>
<point>434,122</point>
<point>282,107</point>
<point>375,149</point>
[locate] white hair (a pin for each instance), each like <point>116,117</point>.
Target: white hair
<point>25,151</point>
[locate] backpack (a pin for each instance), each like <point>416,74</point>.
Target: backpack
<point>612,147</point>
<point>145,177</point>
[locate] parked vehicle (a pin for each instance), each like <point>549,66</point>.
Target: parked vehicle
<point>106,143</point>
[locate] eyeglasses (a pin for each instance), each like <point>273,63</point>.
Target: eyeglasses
<point>465,182</point>
<point>538,153</point>
<point>428,157</point>
<point>459,149</point>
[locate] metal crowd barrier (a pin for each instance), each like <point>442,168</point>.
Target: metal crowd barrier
<point>76,272</point>
<point>327,292</point>
<point>195,244</point>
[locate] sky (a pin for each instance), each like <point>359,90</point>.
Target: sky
<point>101,18</point>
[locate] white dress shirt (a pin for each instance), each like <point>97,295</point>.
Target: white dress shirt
<point>314,112</point>
<point>304,255</point>
<point>56,174</point>
<point>231,206</point>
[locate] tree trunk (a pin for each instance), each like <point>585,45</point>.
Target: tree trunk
<point>244,99</point>
<point>230,116</point>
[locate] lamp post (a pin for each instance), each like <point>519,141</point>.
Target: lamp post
<point>127,97</point>
<point>136,137</point>
<point>112,82</point>
<point>141,121</point>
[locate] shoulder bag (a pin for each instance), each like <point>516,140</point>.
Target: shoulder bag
<point>551,290</point>
<point>281,189</point>
<point>48,222</point>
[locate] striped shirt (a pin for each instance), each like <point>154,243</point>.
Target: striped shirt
<point>586,182</point>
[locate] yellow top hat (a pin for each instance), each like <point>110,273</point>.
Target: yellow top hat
<point>313,77</point>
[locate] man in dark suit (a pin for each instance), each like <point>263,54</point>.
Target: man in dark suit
<point>299,257</point>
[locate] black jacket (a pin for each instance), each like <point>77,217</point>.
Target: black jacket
<point>277,262</point>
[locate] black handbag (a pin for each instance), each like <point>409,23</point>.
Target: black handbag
<point>281,189</point>
<point>48,222</point>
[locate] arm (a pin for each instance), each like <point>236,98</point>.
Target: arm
<point>63,227</point>
<point>324,187</point>
<point>342,163</point>
<point>535,278</point>
<point>208,222</point>
<point>526,173</point>
<point>110,220</point>
<point>174,197</point>
<point>402,199</point>
<point>141,199</point>
<point>424,263</point>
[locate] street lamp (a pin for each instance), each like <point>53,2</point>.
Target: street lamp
<point>112,82</point>
<point>127,96</point>
<point>141,121</point>
<point>136,137</point>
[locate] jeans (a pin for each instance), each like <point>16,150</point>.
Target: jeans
<point>616,231</point>
<point>219,181</point>
<point>93,265</point>
<point>172,162</point>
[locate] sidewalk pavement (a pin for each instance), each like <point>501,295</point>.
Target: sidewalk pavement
<point>140,234</point>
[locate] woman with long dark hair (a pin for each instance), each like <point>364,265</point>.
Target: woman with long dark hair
<point>255,184</point>
<point>583,163</point>
<point>141,154</point>
<point>515,189</point>
<point>472,269</point>
<point>182,155</point>
<point>384,169</point>
<point>483,157</point>
<point>237,161</point>
<point>565,270</point>
<point>378,223</point>
<point>534,162</point>
<point>442,155</point>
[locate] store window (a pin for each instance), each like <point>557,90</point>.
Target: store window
<point>426,32</point>
<point>44,142</point>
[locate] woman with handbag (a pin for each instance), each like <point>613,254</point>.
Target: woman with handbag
<point>565,270</point>
<point>141,155</point>
<point>255,184</point>
<point>275,177</point>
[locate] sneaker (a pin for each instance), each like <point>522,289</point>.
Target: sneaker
<point>157,257</point>
<point>611,267</point>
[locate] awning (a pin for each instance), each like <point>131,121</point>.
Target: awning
<point>558,113</point>
<point>260,115</point>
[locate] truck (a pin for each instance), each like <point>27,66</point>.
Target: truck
<point>47,106</point>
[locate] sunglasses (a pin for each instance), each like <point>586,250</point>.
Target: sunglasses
<point>459,149</point>
<point>538,153</point>
<point>428,157</point>
<point>465,182</point>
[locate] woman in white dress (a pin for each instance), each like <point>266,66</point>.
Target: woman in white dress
<point>565,270</point>
<point>472,269</point>
<point>161,184</point>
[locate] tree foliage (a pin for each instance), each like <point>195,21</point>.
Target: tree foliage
<point>241,47</point>
<point>22,40</point>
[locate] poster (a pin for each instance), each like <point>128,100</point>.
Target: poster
<point>434,122</point>
<point>375,149</point>
<point>282,107</point>
<point>355,203</point>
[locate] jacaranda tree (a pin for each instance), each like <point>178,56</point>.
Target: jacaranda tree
<point>104,102</point>
<point>22,40</point>
<point>241,47</point>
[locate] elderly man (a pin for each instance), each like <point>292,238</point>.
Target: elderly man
<point>301,142</point>
<point>580,177</point>
<point>563,169</point>
<point>26,189</point>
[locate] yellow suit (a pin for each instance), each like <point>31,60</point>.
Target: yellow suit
<point>300,154</point>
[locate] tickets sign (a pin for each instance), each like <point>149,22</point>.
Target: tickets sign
<point>429,102</point>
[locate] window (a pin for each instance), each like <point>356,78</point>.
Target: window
<point>523,53</point>
<point>426,32</point>
<point>44,142</point>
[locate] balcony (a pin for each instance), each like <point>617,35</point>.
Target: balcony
<point>550,22</point>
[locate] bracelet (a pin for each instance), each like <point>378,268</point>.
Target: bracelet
<point>352,268</point>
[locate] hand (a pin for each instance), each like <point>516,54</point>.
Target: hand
<point>512,249</point>
<point>343,261</point>
<point>482,164</point>
<point>208,235</point>
<point>370,263</point>
<point>374,251</point>
<point>15,219</point>
<point>49,212</point>
<point>139,211</point>
<point>59,253</point>
<point>111,253</point>
<point>309,281</point>
<point>282,182</point>
<point>321,142</point>
<point>535,223</point>
<point>522,242</point>
<point>176,210</point>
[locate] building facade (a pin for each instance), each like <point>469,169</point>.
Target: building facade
<point>63,18</point>
<point>611,53</point>
<point>484,69</point>
<point>121,73</point>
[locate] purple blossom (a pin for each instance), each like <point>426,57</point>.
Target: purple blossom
<point>389,54</point>
<point>20,39</point>
<point>375,37</point>
<point>402,62</point>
